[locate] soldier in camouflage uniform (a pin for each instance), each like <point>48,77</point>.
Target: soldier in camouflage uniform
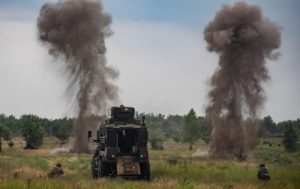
<point>56,171</point>
<point>263,173</point>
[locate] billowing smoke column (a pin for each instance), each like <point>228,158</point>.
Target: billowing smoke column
<point>244,39</point>
<point>74,30</point>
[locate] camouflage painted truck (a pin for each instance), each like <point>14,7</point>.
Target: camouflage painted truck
<point>121,146</point>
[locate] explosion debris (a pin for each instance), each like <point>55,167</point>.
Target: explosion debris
<point>244,39</point>
<point>74,30</point>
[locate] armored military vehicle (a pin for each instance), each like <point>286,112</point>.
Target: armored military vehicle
<point>121,146</point>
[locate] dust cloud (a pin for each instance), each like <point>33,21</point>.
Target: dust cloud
<point>243,38</point>
<point>75,31</point>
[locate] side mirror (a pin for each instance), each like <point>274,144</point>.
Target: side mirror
<point>89,134</point>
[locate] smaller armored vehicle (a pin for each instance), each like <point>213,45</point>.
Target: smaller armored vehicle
<point>121,146</point>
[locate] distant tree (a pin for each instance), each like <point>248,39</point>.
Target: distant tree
<point>176,136</point>
<point>191,129</point>
<point>47,125</point>
<point>63,130</point>
<point>290,137</point>
<point>5,133</point>
<point>205,128</point>
<point>156,135</point>
<point>12,123</point>
<point>32,131</point>
<point>268,127</point>
<point>156,138</point>
<point>171,126</point>
<point>0,138</point>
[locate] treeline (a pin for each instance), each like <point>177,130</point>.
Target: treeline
<point>190,128</point>
<point>187,128</point>
<point>289,131</point>
<point>33,129</point>
<point>270,128</point>
<point>181,128</point>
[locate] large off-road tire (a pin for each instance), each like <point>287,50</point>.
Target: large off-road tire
<point>102,172</point>
<point>94,168</point>
<point>111,169</point>
<point>145,171</point>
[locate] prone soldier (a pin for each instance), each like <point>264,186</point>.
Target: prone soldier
<point>56,171</point>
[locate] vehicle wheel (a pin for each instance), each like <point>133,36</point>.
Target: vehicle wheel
<point>94,168</point>
<point>102,169</point>
<point>145,171</point>
<point>111,169</point>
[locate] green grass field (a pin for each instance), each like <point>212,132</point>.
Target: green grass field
<point>174,167</point>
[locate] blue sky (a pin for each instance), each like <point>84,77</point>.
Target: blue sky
<point>187,13</point>
<point>179,11</point>
<point>161,40</point>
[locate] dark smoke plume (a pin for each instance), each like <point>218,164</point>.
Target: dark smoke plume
<point>244,39</point>
<point>74,30</point>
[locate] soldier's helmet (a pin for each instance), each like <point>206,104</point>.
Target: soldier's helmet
<point>261,165</point>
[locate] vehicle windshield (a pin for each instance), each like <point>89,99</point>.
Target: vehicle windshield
<point>127,140</point>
